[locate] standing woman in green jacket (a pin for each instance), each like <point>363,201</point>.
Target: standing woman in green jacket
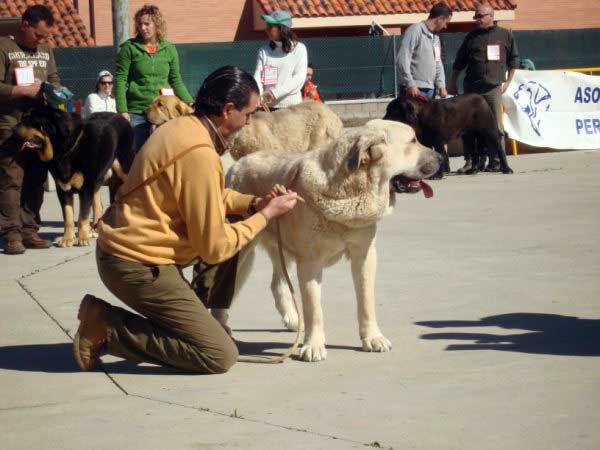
<point>147,66</point>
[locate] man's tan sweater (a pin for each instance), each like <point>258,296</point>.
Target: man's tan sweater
<point>181,215</point>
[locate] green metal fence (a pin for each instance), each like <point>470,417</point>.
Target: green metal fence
<point>349,67</point>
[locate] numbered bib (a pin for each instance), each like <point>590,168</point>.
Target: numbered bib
<point>493,53</point>
<point>270,75</point>
<point>24,76</point>
<point>167,91</point>
<point>437,53</point>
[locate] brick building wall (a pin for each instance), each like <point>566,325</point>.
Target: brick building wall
<point>557,14</point>
<point>229,20</point>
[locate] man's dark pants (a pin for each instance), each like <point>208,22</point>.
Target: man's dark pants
<point>174,328</point>
<point>493,97</point>
<point>22,176</point>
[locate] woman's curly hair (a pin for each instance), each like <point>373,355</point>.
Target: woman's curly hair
<point>157,18</point>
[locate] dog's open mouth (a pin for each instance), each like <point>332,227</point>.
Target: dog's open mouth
<point>32,138</point>
<point>405,185</point>
<point>32,144</point>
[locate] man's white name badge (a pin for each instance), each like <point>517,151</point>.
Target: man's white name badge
<point>24,76</point>
<point>437,53</point>
<point>493,53</point>
<point>167,91</point>
<point>270,75</point>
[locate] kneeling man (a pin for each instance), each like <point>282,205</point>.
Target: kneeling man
<point>166,216</point>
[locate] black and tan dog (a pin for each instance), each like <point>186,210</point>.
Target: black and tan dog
<point>82,155</point>
<point>437,122</point>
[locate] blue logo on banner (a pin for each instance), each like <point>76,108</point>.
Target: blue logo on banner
<point>532,99</point>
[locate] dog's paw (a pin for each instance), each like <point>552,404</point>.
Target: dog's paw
<point>68,240</point>
<point>313,351</point>
<point>83,241</point>
<point>94,233</point>
<point>376,344</point>
<point>291,321</point>
<point>507,171</point>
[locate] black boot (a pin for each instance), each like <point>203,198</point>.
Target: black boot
<point>493,166</point>
<point>466,168</point>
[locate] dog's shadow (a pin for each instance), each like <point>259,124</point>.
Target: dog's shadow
<point>547,334</point>
<point>263,348</point>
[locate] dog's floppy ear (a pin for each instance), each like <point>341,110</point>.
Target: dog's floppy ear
<point>184,109</point>
<point>364,151</point>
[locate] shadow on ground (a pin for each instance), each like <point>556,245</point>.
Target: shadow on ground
<point>58,358</point>
<point>549,334</point>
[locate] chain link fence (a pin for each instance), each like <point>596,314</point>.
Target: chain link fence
<point>348,67</point>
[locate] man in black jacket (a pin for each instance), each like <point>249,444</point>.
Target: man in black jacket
<point>484,53</point>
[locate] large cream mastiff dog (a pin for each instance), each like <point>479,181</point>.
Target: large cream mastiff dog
<point>348,186</point>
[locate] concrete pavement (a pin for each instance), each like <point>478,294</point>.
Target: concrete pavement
<point>488,291</point>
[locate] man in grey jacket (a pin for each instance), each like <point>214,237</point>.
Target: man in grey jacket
<point>420,55</point>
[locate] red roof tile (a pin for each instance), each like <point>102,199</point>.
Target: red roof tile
<point>324,8</point>
<point>68,30</point>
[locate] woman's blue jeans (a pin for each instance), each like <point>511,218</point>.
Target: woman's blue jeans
<point>141,130</point>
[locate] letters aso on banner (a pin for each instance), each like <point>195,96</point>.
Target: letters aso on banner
<point>555,109</point>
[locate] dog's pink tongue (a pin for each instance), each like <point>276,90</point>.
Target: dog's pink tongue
<point>26,145</point>
<point>427,191</point>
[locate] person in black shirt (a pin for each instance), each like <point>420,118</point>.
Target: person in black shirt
<point>484,53</point>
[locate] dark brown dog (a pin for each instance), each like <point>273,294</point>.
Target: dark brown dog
<point>436,122</point>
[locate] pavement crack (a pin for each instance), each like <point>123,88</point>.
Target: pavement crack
<point>30,294</point>
<point>61,263</point>
<point>65,330</point>
<point>257,421</point>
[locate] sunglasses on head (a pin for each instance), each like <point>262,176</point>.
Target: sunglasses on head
<point>480,16</point>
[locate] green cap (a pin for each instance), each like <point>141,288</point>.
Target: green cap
<point>279,17</point>
<point>525,62</point>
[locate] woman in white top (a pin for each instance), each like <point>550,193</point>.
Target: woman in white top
<point>102,99</point>
<point>281,64</point>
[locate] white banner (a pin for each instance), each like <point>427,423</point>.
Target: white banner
<point>556,109</point>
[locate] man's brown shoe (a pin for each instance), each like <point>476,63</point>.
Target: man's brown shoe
<point>13,247</point>
<point>36,242</point>
<point>91,335</point>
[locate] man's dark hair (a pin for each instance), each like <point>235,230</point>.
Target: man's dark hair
<point>310,66</point>
<point>440,10</point>
<point>36,14</point>
<point>288,39</point>
<point>229,84</point>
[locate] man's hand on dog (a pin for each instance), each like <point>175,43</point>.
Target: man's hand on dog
<point>32,90</point>
<point>276,204</point>
<point>413,91</point>
<point>126,116</point>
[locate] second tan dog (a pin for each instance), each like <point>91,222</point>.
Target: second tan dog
<point>165,108</point>
<point>296,129</point>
